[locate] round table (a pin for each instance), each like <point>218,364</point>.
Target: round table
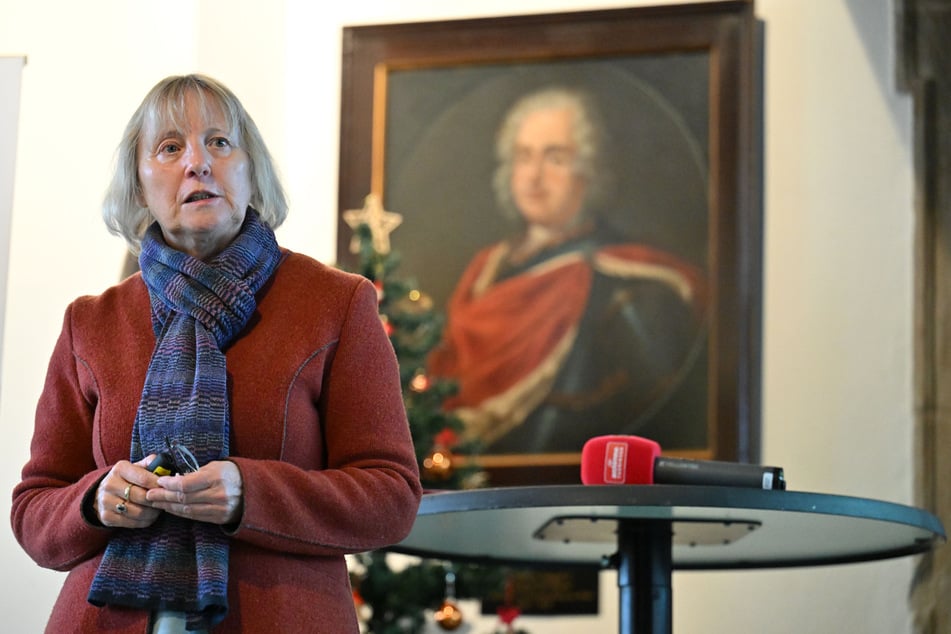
<point>646,532</point>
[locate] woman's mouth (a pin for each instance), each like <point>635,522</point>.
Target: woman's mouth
<point>199,196</point>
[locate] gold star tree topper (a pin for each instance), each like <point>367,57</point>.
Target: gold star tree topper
<point>381,223</point>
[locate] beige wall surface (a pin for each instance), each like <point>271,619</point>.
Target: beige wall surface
<point>837,366</point>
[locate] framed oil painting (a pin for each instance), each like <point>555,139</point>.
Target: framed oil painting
<point>599,271</point>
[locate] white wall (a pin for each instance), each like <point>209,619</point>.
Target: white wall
<point>10,70</point>
<point>838,279</point>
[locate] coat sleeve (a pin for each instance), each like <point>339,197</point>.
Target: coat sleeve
<point>368,495</point>
<point>46,512</point>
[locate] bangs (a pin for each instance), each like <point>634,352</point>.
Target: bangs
<point>167,109</point>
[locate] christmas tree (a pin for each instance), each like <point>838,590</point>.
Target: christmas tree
<point>414,328</point>
<point>396,601</point>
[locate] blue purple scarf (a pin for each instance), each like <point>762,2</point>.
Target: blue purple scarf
<point>198,308</point>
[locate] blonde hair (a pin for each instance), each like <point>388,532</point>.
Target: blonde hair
<point>122,208</point>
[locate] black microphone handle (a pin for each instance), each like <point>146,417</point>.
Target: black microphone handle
<point>715,473</point>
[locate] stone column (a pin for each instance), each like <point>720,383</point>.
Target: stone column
<point>924,70</point>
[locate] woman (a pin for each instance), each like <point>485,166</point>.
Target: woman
<point>271,369</point>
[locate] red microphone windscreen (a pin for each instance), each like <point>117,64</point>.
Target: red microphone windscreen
<point>618,460</point>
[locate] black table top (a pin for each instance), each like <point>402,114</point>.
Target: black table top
<point>713,527</point>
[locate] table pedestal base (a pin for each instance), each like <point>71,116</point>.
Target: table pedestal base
<point>644,567</point>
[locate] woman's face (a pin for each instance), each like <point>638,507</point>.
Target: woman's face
<point>196,181</point>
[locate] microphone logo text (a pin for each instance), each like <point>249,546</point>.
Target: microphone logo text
<point>615,462</point>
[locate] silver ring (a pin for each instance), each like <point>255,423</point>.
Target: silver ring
<point>125,494</point>
<point>121,508</point>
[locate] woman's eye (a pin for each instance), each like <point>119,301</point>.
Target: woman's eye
<point>169,148</point>
<point>220,142</point>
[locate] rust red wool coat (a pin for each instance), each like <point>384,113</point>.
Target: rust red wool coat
<point>318,430</point>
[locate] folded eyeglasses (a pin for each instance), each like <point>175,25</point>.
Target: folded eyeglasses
<point>176,459</point>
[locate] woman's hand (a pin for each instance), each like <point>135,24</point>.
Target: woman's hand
<point>213,494</point>
<point>121,496</point>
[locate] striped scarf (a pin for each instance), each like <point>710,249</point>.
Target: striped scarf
<point>198,308</point>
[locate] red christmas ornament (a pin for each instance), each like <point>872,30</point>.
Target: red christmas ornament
<point>508,613</point>
<point>379,290</point>
<point>363,610</point>
<point>387,326</point>
<point>446,438</point>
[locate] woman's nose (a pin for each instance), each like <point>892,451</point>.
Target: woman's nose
<point>197,161</point>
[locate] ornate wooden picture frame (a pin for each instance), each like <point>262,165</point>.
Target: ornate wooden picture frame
<point>677,91</point>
